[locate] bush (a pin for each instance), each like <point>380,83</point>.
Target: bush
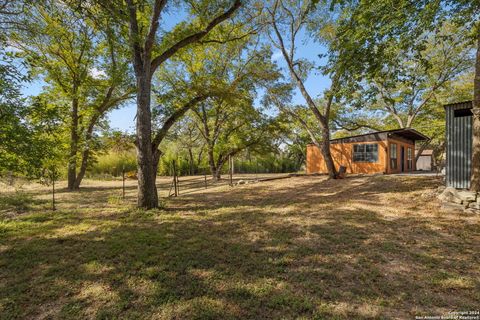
<point>113,163</point>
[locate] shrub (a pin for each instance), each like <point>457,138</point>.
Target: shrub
<point>113,164</point>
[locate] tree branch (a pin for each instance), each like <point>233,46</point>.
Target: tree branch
<point>157,61</point>
<point>160,135</point>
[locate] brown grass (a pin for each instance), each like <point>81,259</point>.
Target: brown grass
<point>360,248</point>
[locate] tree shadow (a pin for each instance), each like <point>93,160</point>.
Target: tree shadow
<point>243,262</point>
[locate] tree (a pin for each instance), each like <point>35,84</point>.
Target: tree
<point>81,64</point>
<point>228,70</point>
<point>229,128</point>
<point>405,85</point>
<point>402,93</point>
<point>288,19</point>
<point>27,139</point>
<point>188,136</point>
<point>375,26</point>
<point>148,52</point>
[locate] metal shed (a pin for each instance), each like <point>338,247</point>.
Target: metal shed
<point>459,136</point>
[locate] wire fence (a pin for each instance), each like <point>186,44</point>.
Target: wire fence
<point>176,185</point>
<point>171,186</point>
<point>167,186</point>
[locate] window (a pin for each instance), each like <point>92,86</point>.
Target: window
<point>365,152</point>
<point>462,113</point>
<point>409,159</point>
<point>393,156</point>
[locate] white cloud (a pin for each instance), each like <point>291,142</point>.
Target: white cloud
<point>10,48</point>
<point>96,73</point>
<point>276,55</point>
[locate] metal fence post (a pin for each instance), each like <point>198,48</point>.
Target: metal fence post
<point>53,190</point>
<point>123,182</point>
<point>231,170</point>
<point>175,178</point>
<point>205,177</point>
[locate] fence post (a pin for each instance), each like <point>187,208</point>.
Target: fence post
<point>178,185</point>
<point>123,183</point>
<point>10,178</point>
<point>205,177</point>
<point>230,169</point>
<point>53,189</point>
<point>174,178</point>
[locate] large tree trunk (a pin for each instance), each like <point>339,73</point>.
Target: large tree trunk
<point>475,182</point>
<point>218,170</point>
<point>72,160</point>
<point>322,118</point>
<point>85,155</point>
<point>147,191</point>
<point>327,156</point>
<point>213,167</point>
<point>199,158</point>
<point>156,160</point>
<point>83,168</point>
<point>217,176</point>
<point>191,161</point>
<point>144,67</point>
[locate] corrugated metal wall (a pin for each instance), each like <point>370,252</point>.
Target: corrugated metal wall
<point>459,146</point>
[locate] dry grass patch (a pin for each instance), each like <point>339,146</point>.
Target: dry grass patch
<point>360,248</point>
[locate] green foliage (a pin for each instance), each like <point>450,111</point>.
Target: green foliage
<point>25,129</point>
<point>405,86</point>
<point>369,33</point>
<point>225,78</point>
<point>86,72</point>
<point>119,155</point>
<point>113,163</point>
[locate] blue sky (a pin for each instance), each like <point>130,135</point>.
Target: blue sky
<point>123,119</point>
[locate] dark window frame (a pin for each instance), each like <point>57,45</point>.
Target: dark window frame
<point>365,152</point>
<point>409,158</point>
<point>393,160</point>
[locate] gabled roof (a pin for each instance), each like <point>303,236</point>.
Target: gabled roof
<point>460,105</point>
<point>410,134</point>
<point>427,152</point>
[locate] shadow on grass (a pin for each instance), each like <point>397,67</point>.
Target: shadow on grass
<point>319,190</point>
<point>18,202</point>
<point>243,263</point>
<point>240,256</point>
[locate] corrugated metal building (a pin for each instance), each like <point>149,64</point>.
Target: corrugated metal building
<point>459,136</point>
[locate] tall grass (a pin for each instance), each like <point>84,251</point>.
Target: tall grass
<point>113,163</point>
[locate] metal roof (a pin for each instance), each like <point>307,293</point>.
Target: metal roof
<point>407,133</point>
<point>464,105</point>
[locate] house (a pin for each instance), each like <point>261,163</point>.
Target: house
<point>390,151</point>
<point>424,161</point>
<point>459,138</point>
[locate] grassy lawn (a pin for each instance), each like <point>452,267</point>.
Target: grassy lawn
<point>305,248</point>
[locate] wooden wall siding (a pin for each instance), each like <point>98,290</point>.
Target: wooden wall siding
<point>342,154</point>
<point>406,144</point>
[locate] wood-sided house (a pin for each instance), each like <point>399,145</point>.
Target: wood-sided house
<point>391,151</point>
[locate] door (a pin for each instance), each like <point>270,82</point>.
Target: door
<point>402,158</point>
